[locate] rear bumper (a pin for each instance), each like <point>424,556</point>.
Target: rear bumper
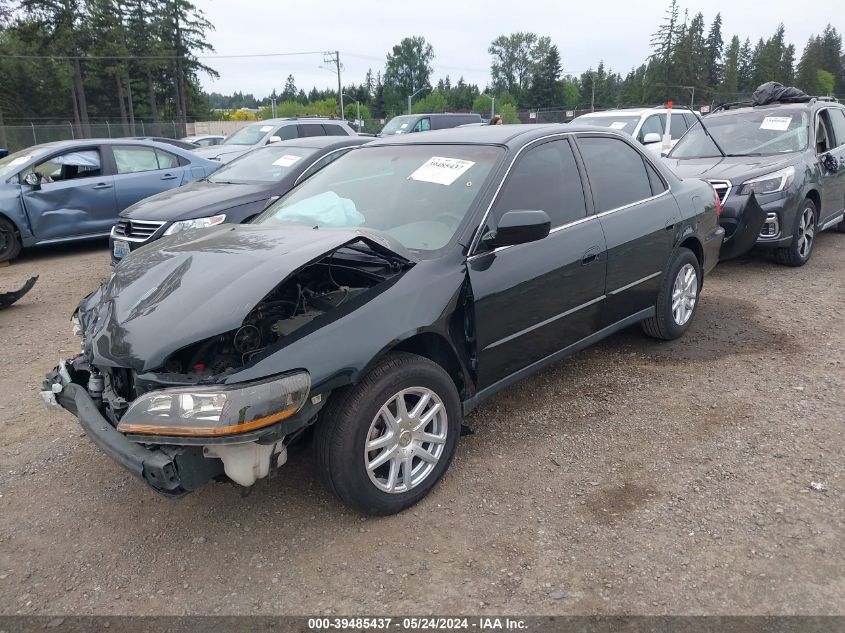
<point>172,472</point>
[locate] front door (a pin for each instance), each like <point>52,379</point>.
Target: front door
<point>640,220</point>
<point>534,299</point>
<point>833,180</point>
<point>74,198</point>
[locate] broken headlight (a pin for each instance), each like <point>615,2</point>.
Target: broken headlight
<point>216,410</point>
<point>198,223</point>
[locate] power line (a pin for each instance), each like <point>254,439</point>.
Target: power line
<point>156,57</point>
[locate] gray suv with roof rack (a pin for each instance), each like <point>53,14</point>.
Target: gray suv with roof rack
<point>779,170</point>
<point>272,131</point>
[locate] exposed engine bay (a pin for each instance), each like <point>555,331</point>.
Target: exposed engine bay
<point>320,287</point>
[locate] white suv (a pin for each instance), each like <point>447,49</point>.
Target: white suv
<point>644,124</point>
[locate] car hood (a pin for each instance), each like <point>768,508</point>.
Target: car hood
<point>736,169</point>
<point>222,152</point>
<point>197,284</point>
<point>197,200</point>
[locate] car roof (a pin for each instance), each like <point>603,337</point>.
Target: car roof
<point>510,135</point>
<point>776,106</point>
<point>306,119</point>
<point>321,142</point>
<point>622,111</point>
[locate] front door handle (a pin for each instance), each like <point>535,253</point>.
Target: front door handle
<point>590,255</point>
<point>670,223</point>
<point>168,177</point>
<point>102,185</point>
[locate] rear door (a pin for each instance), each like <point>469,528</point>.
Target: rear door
<point>532,300</point>
<point>640,220</point>
<point>75,197</point>
<point>834,189</point>
<point>141,171</point>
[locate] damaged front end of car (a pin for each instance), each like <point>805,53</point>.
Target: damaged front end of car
<point>157,385</point>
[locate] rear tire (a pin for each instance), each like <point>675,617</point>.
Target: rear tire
<point>677,299</point>
<point>840,228</point>
<point>803,237</point>
<point>381,463</point>
<point>10,243</point>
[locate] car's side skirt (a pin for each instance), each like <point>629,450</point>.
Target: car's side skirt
<point>585,342</point>
<point>836,219</point>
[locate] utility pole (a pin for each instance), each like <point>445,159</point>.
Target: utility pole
<point>333,57</point>
<point>358,109</point>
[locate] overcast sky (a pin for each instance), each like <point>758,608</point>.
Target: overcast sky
<point>460,31</point>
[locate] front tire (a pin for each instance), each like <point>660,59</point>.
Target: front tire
<point>677,299</point>
<point>10,244</point>
<point>803,237</point>
<point>384,443</point>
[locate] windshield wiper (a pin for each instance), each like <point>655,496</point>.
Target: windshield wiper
<point>707,132</point>
<point>744,154</point>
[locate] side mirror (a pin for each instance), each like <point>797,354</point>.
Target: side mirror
<point>651,137</point>
<point>33,179</point>
<point>274,139</point>
<point>830,163</point>
<point>519,227</point>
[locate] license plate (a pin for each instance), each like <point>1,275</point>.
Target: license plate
<point>121,249</point>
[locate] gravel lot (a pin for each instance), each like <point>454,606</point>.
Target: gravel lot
<point>635,478</point>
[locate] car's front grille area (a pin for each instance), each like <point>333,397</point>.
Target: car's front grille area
<point>136,230</point>
<point>722,187</point>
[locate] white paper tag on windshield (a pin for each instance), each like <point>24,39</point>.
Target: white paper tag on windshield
<point>618,125</point>
<point>266,128</point>
<point>286,161</point>
<point>441,171</point>
<point>403,126</point>
<point>779,123</point>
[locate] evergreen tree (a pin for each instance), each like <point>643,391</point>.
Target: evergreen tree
<point>730,80</point>
<point>544,89</point>
<point>289,92</point>
<point>714,48</point>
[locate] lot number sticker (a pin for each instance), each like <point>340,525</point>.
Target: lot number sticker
<point>441,171</point>
<point>286,161</point>
<point>779,123</point>
<point>266,128</point>
<point>618,125</point>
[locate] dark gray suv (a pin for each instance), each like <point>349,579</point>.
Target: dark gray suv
<point>779,170</point>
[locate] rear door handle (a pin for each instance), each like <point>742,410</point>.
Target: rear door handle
<point>168,177</point>
<point>102,185</point>
<point>590,255</point>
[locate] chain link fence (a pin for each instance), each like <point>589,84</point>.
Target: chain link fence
<point>16,137</point>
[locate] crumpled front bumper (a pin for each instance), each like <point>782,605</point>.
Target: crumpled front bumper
<point>172,472</point>
<point>742,219</point>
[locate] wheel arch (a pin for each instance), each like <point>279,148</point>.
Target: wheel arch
<point>693,244</point>
<point>437,349</point>
<point>816,198</point>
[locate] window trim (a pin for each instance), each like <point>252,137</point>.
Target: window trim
<point>85,148</point>
<point>644,158</point>
<point>473,252</point>
<point>832,128</point>
<point>117,171</point>
<point>579,166</point>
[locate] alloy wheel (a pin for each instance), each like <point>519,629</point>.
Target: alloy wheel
<point>684,294</point>
<point>806,232</point>
<point>406,440</point>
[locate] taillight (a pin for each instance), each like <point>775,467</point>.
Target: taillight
<point>718,201</point>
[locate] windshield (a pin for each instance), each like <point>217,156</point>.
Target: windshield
<point>399,125</point>
<point>13,162</point>
<point>265,165</point>
<point>249,135</point>
<point>625,124</point>
<point>750,133</point>
<point>417,194</point>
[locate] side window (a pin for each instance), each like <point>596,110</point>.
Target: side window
<point>287,132</point>
<point>677,126</point>
<point>657,184</point>
<point>312,129</point>
<point>545,178</point>
<point>334,130</point>
<point>691,119</point>
<point>616,171</point>
<point>824,142</point>
<point>325,160</point>
<point>69,166</point>
<point>655,123</point>
<point>423,125</point>
<point>166,160</point>
<point>837,120</point>
<point>131,160</point>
